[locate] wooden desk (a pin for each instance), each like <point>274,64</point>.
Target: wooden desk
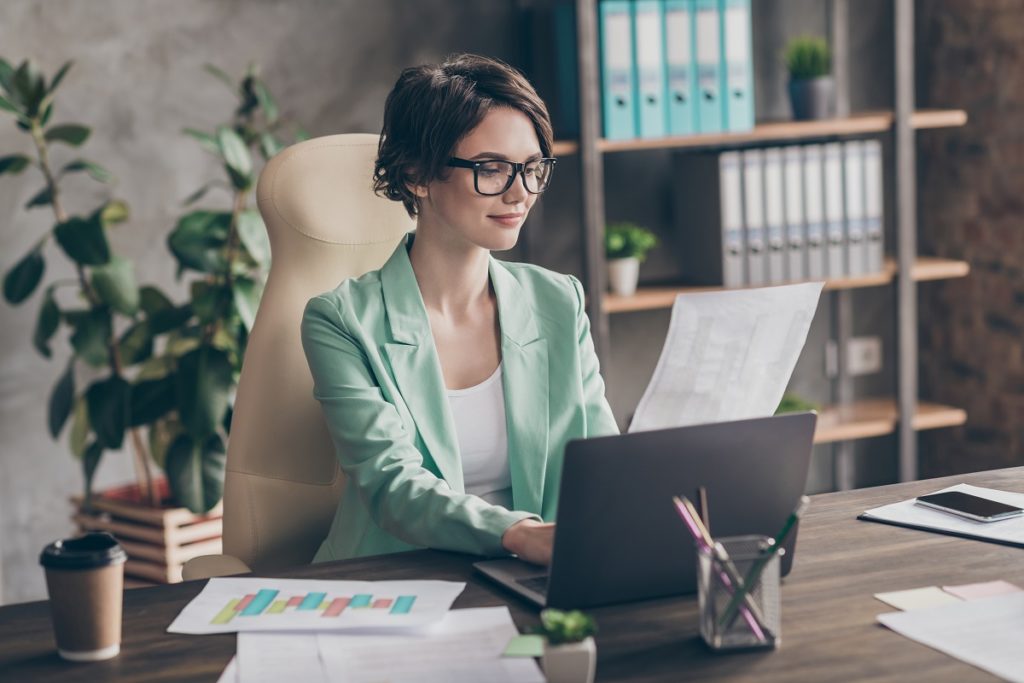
<point>828,628</point>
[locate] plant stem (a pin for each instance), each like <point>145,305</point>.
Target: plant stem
<point>142,474</point>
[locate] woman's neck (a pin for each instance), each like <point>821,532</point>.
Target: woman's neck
<point>451,273</point>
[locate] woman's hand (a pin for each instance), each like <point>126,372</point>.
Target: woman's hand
<point>530,540</point>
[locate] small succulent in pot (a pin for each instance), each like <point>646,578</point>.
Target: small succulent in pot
<point>570,655</point>
<point>811,89</point>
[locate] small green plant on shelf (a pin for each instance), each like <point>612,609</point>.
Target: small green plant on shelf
<point>559,627</point>
<point>628,240</point>
<point>808,57</point>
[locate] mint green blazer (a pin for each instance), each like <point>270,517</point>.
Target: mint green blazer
<point>377,376</point>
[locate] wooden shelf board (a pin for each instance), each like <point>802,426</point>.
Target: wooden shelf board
<point>879,417</point>
<point>925,268</point>
<point>857,124</point>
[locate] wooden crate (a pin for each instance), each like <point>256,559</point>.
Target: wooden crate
<point>158,540</point>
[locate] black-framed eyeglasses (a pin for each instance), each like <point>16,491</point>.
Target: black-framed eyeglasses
<point>495,176</point>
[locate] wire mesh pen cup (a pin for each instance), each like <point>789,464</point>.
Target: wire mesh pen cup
<point>739,594</point>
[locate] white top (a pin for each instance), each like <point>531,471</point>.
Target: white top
<point>479,414</point>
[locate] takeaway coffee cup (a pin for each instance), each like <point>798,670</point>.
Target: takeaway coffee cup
<point>85,579</point>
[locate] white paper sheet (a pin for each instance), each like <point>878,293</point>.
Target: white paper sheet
<point>230,674</point>
<point>312,605</point>
<point>917,598</point>
<point>276,657</point>
<point>727,356</point>
<point>907,512</point>
<point>986,633</point>
<point>464,647</point>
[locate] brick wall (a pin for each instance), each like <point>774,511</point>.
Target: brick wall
<point>971,206</point>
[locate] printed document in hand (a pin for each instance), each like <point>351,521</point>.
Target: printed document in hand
<point>986,633</point>
<point>464,647</point>
<point>727,356</point>
<point>227,605</point>
<point>907,513</point>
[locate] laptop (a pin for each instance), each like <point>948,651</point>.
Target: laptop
<point>619,538</point>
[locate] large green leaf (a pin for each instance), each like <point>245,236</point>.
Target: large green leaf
<point>195,472</point>
<point>79,426</point>
<point>84,241</point>
<point>92,331</point>
<point>167,319</point>
<point>69,133</point>
<point>247,295</point>
<point>90,461</point>
<point>95,171</point>
<point>136,344</point>
<point>198,240</point>
<point>204,385</point>
<point>24,277</point>
<point>114,211</point>
<point>62,398</point>
<point>267,103</point>
<point>58,77</point>
<point>152,300</point>
<point>42,198</point>
<point>109,403</point>
<point>206,141</point>
<point>46,323</point>
<point>208,301</point>
<point>269,145</point>
<point>6,75</point>
<point>236,157</point>
<point>151,400</point>
<point>115,284</point>
<point>29,86</point>
<point>7,105</point>
<point>13,164</point>
<point>253,234</point>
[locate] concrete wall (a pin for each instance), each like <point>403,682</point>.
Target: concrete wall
<point>138,81</point>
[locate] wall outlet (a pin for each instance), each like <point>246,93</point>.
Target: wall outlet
<point>864,356</point>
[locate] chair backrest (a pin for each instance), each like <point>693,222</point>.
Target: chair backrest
<point>283,483</point>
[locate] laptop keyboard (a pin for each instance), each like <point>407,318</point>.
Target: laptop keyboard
<point>538,584</point>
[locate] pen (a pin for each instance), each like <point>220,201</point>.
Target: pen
<point>729,615</point>
<point>705,511</point>
<point>704,541</point>
<point>720,554</point>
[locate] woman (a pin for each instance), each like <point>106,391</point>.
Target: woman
<point>452,381</point>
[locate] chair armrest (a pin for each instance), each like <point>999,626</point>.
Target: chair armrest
<point>208,566</point>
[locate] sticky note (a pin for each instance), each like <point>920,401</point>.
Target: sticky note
<point>525,646</point>
<point>916,598</point>
<point>988,589</point>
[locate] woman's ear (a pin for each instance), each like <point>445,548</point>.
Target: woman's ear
<point>412,184</point>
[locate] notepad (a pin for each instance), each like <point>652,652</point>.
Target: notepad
<point>907,514</point>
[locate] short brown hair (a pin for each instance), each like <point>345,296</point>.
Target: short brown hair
<point>433,106</point>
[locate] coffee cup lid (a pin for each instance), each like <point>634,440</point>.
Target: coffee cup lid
<point>94,549</point>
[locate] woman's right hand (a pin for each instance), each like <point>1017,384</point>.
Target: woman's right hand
<point>530,540</point>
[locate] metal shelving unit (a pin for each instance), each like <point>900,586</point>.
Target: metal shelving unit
<point>847,419</point>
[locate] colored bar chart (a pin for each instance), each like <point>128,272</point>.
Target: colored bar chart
<point>268,601</point>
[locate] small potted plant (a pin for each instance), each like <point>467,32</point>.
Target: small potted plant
<point>626,246</point>
<point>570,655</point>
<point>809,62</point>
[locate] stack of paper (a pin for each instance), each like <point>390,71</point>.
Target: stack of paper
<point>333,631</point>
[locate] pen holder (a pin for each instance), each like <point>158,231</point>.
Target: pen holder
<point>739,595</point>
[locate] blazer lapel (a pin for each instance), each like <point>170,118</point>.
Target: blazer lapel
<point>415,366</point>
<point>525,379</point>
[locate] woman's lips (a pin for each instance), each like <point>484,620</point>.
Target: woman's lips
<point>510,220</point>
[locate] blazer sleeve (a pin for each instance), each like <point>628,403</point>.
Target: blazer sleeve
<point>599,417</point>
<point>376,451</point>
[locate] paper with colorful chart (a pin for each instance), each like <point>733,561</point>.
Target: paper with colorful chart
<point>228,605</point>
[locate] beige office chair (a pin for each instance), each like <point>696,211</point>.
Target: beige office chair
<point>283,482</point>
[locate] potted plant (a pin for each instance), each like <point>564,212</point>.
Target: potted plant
<point>626,246</point>
<point>570,654</point>
<point>809,62</point>
<point>162,374</point>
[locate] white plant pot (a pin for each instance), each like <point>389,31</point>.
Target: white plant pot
<point>571,662</point>
<point>623,274</point>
